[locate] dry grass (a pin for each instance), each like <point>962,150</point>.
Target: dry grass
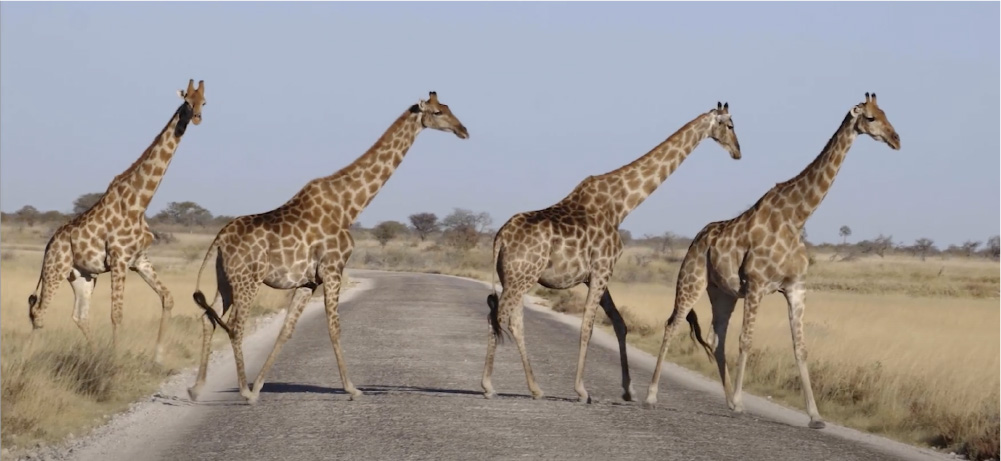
<point>56,385</point>
<point>898,347</point>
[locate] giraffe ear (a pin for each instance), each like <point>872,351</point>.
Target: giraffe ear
<point>421,104</point>
<point>180,93</point>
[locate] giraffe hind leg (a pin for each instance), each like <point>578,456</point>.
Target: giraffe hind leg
<point>619,326</point>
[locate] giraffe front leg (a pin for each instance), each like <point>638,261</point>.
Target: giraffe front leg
<point>118,269</point>
<point>144,268</point>
<point>795,297</point>
<point>751,303</point>
<point>299,300</point>
<point>331,296</point>
<point>83,288</point>
<point>619,326</point>
<point>596,288</point>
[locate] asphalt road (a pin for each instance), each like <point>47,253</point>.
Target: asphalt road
<point>415,344</point>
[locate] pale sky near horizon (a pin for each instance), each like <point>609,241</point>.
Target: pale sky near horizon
<point>550,92</point>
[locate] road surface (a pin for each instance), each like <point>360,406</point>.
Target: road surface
<point>415,344</point>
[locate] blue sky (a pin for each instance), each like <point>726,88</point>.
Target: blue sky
<point>550,92</point>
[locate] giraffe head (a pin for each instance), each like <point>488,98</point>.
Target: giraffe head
<point>194,99</point>
<point>721,129</point>
<point>871,120</point>
<point>433,114</point>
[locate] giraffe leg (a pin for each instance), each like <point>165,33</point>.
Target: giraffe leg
<point>723,305</point>
<point>299,300</point>
<point>751,302</point>
<point>144,268</point>
<point>516,311</point>
<point>54,269</point>
<point>795,296</point>
<point>203,364</point>
<point>488,367</point>
<point>224,301</point>
<point>118,269</point>
<point>596,288</point>
<point>691,282</point>
<point>619,325</point>
<point>83,287</point>
<point>331,297</point>
<point>242,300</point>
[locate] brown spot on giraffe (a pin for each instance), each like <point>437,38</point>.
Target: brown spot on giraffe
<point>271,247</point>
<point>103,238</point>
<point>778,262</point>
<point>577,241</point>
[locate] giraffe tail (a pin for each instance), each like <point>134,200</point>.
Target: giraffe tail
<point>199,297</point>
<point>493,300</point>
<point>696,333</point>
<point>33,298</point>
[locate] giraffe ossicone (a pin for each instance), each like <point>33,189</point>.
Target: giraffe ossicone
<point>577,241</point>
<point>760,252</point>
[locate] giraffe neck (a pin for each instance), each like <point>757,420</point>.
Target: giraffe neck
<point>804,193</point>
<point>631,184</point>
<point>354,186</point>
<point>144,176</point>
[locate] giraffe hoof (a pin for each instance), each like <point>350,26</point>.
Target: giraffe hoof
<point>538,395</point>
<point>489,394</point>
<point>354,394</point>
<point>650,403</point>
<point>628,394</point>
<point>817,424</point>
<point>193,393</point>
<point>251,397</point>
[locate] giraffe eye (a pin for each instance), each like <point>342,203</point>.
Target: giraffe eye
<point>437,112</point>
<point>870,119</point>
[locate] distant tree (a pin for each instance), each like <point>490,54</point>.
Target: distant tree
<point>85,202</point>
<point>388,230</point>
<point>222,220</point>
<point>879,246</point>
<point>185,214</point>
<point>424,224</point>
<point>923,246</point>
<point>625,236</point>
<point>461,217</point>
<point>969,247</point>
<point>53,217</point>
<point>667,243</point>
<point>28,215</point>
<point>845,232</point>
<point>994,246</point>
<point>463,237</point>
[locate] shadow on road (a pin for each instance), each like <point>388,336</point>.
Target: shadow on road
<point>296,388</point>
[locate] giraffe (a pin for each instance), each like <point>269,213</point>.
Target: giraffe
<point>305,243</point>
<point>761,252</point>
<point>113,236</point>
<point>577,241</point>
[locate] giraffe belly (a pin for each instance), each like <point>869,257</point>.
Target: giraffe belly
<point>562,278</point>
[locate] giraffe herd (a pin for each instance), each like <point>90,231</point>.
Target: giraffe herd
<point>305,244</point>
